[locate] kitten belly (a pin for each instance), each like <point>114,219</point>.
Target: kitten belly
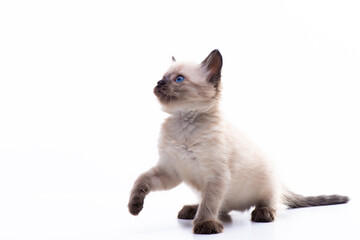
<point>250,188</point>
<point>242,193</point>
<point>240,198</point>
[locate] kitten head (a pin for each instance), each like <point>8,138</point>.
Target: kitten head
<point>191,86</point>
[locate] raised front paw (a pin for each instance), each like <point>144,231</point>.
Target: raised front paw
<point>208,227</point>
<point>136,204</point>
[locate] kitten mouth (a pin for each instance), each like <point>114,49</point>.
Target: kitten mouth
<point>164,95</point>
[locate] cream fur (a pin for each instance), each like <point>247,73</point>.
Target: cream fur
<point>199,150</point>
<point>198,147</point>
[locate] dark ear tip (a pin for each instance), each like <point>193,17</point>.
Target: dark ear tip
<point>216,51</point>
<point>213,60</point>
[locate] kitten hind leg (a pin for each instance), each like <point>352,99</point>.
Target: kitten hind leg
<point>188,212</point>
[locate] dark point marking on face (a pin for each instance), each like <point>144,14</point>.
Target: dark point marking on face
<point>167,77</point>
<point>164,90</point>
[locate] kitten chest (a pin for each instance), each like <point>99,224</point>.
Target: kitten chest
<point>185,147</point>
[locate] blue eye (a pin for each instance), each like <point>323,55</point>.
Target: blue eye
<point>179,79</point>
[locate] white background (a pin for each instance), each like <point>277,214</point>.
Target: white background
<point>79,121</point>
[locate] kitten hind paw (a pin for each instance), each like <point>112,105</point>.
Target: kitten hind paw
<point>263,214</point>
<point>188,212</point>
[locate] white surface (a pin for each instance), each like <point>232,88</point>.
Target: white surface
<point>103,216</point>
<point>79,122</point>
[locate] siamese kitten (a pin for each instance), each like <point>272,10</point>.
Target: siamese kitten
<point>198,147</point>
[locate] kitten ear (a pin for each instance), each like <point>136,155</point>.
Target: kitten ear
<point>213,64</point>
<point>173,59</point>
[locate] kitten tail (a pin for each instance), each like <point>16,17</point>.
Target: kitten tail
<point>293,200</point>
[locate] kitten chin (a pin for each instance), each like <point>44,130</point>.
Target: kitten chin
<point>198,147</point>
<point>164,95</point>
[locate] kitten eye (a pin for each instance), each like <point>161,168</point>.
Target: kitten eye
<point>179,79</point>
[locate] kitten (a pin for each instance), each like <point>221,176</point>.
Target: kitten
<point>198,147</point>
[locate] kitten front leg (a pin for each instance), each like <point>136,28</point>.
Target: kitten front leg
<point>206,220</point>
<point>157,178</point>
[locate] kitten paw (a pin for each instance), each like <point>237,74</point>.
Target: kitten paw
<point>136,204</point>
<point>208,227</point>
<point>188,212</point>
<point>263,214</point>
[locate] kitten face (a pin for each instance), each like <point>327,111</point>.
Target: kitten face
<point>190,86</point>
